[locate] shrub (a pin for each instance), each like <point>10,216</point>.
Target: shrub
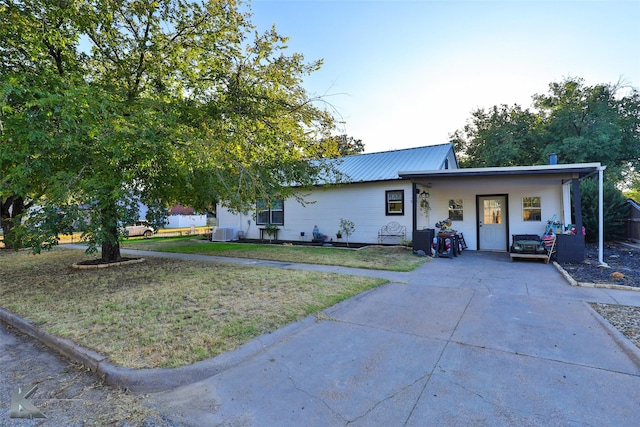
<point>615,207</point>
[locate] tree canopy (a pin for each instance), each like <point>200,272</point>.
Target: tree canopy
<point>115,103</point>
<point>343,145</point>
<point>579,123</point>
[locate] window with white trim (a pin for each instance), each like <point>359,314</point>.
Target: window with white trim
<point>270,212</point>
<point>456,209</point>
<point>531,209</point>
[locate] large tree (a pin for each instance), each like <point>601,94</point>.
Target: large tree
<point>500,136</point>
<point>37,67</point>
<point>343,145</point>
<point>579,123</point>
<point>596,123</point>
<point>169,101</point>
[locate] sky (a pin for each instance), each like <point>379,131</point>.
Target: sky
<point>402,74</point>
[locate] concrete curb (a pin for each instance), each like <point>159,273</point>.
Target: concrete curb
<point>157,379</point>
<point>573,282</point>
<point>625,344</point>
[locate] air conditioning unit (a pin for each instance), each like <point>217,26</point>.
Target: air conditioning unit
<point>222,235</point>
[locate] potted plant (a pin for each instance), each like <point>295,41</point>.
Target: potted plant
<point>424,203</point>
<point>271,231</point>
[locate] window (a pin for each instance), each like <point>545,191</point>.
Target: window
<point>492,211</point>
<point>531,209</point>
<point>394,202</point>
<point>455,209</point>
<point>270,212</point>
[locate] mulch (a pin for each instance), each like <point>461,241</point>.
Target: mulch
<point>332,243</point>
<point>623,260</point>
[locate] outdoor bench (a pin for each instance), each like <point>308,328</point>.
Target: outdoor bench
<point>393,229</point>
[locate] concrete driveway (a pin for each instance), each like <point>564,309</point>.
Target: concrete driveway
<point>475,340</point>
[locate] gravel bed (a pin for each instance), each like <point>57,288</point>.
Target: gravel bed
<point>624,318</point>
<point>624,263</point>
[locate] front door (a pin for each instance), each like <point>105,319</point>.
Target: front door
<point>492,223</point>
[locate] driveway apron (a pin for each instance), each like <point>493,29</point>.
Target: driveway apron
<point>475,340</point>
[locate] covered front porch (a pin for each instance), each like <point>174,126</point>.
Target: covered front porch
<point>489,205</point>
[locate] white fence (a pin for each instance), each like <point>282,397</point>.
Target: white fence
<point>184,221</point>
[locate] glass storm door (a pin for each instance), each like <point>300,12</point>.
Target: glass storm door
<point>492,223</point>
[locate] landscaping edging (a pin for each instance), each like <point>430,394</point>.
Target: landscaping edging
<point>153,380</point>
<point>81,266</point>
<point>627,346</point>
<point>573,282</point>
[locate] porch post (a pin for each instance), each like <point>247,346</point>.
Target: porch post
<point>566,202</point>
<point>414,195</point>
<point>601,216</point>
<point>577,205</point>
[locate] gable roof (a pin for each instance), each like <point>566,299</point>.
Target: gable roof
<point>386,165</point>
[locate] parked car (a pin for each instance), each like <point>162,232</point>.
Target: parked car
<point>140,228</point>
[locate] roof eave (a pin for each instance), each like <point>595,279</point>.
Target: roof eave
<point>582,169</point>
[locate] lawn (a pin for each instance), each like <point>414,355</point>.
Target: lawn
<point>163,312</point>
<point>394,258</point>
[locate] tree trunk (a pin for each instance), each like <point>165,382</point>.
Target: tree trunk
<point>111,252</point>
<point>111,242</point>
<point>12,207</point>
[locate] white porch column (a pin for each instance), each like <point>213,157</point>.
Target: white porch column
<point>600,217</point>
<point>566,203</point>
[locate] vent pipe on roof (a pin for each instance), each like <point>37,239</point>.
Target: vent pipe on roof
<point>553,159</point>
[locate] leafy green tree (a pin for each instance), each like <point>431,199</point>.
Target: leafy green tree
<point>592,124</point>
<point>35,72</point>
<point>347,228</point>
<point>499,136</point>
<point>343,145</point>
<point>632,194</point>
<point>579,123</point>
<point>169,102</point>
<point>616,210</point>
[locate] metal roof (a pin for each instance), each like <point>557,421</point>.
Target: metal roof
<point>384,166</point>
<point>580,169</point>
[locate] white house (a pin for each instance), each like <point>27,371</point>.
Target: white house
<point>373,195</point>
<point>419,187</point>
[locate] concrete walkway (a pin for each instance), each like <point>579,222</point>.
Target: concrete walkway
<point>475,340</point>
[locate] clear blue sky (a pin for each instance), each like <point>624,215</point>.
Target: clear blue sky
<point>409,73</point>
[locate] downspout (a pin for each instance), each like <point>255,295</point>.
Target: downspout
<point>601,217</point>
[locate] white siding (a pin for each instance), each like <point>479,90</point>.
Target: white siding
<point>549,189</point>
<point>364,204</point>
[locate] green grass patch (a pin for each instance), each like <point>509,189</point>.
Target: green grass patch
<point>393,258</point>
<point>163,312</point>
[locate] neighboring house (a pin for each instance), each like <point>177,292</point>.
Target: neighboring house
<point>417,188</point>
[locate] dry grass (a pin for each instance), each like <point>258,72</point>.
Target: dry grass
<point>163,313</point>
<point>394,258</point>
